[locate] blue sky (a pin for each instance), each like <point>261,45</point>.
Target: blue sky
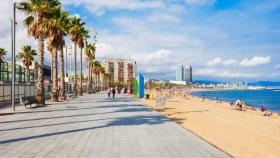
<point>232,40</point>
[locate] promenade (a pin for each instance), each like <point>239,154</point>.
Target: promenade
<point>95,126</point>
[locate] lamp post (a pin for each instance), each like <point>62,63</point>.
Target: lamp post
<point>66,67</point>
<point>15,6</point>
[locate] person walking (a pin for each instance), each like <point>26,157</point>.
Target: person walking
<point>203,97</point>
<point>109,93</point>
<point>113,92</point>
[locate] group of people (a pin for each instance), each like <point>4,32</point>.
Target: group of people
<point>240,105</point>
<point>113,91</point>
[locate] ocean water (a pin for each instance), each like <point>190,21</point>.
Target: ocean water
<point>257,98</point>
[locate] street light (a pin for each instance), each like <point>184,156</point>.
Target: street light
<point>66,67</point>
<point>15,6</point>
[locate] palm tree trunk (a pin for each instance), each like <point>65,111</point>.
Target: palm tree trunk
<point>27,68</point>
<point>98,85</point>
<point>63,87</point>
<point>89,78</point>
<point>81,73</point>
<point>55,77</point>
<point>94,82</point>
<point>75,70</point>
<point>40,91</point>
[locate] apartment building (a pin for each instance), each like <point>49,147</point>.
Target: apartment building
<point>121,70</point>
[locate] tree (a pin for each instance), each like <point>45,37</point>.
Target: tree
<point>64,28</point>
<point>95,70</point>
<point>38,12</point>
<point>102,76</point>
<point>81,43</point>
<point>75,34</point>
<point>3,52</point>
<point>90,57</point>
<point>107,77</point>
<point>59,23</point>
<point>27,56</point>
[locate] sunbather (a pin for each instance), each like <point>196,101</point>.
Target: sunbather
<point>265,112</point>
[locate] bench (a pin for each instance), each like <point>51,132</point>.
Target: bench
<point>27,101</point>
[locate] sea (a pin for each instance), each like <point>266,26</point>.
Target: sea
<point>269,98</point>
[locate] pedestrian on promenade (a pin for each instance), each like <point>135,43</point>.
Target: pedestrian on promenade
<point>109,93</point>
<point>113,92</point>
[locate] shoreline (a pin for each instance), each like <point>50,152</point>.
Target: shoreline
<point>227,102</point>
<point>240,133</point>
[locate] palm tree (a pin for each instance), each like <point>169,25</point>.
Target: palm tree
<point>64,24</point>
<point>81,43</point>
<point>52,46</point>
<point>3,52</point>
<point>75,34</point>
<point>107,77</point>
<point>102,77</point>
<point>27,56</point>
<point>90,57</point>
<point>38,12</point>
<point>96,70</point>
<point>59,24</point>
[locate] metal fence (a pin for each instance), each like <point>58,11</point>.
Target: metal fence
<point>24,86</point>
<point>25,83</point>
<point>22,89</point>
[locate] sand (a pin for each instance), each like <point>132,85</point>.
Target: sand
<point>242,134</point>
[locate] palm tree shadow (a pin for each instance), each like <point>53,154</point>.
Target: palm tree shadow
<point>120,121</point>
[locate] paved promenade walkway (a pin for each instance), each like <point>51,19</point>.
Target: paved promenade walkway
<point>97,127</point>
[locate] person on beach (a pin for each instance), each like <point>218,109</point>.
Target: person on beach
<point>109,93</point>
<point>265,112</point>
<point>203,97</point>
<point>113,92</point>
<point>239,104</point>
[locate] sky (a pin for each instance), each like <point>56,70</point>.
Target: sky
<point>223,40</point>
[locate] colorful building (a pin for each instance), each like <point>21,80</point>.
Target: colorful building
<point>121,70</point>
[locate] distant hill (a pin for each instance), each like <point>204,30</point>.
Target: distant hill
<point>259,83</point>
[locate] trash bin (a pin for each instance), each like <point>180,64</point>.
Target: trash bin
<point>147,96</point>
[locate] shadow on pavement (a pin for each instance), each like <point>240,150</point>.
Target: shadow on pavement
<point>119,121</point>
<point>127,108</point>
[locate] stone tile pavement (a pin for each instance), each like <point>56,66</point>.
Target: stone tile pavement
<point>94,126</point>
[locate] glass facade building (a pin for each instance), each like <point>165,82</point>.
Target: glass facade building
<point>188,74</point>
<point>180,73</point>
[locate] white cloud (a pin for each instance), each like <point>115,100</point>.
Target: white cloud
<point>230,62</point>
<point>224,73</point>
<point>5,31</point>
<point>255,61</point>
<point>175,9</point>
<point>100,6</point>
<point>162,17</point>
<point>215,61</point>
<point>200,2</point>
<point>219,61</point>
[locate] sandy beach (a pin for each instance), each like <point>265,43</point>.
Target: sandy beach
<point>242,134</point>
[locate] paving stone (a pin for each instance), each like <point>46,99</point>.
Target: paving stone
<point>95,126</point>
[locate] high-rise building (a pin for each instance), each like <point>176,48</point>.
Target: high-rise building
<point>180,73</point>
<point>188,74</point>
<point>121,70</point>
